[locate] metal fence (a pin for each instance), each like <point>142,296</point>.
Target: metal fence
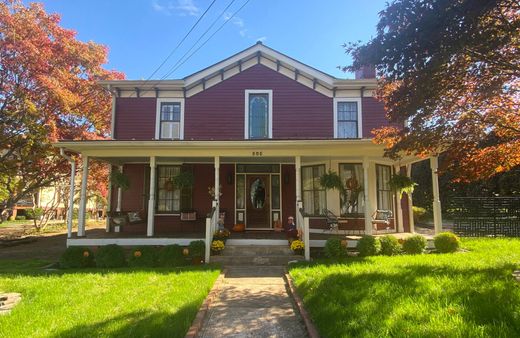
<point>486,216</point>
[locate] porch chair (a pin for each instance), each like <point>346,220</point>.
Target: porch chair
<point>333,221</point>
<point>381,217</point>
<point>126,218</point>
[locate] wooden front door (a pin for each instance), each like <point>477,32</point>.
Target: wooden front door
<point>257,201</point>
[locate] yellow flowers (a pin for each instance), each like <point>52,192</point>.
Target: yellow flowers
<point>297,245</point>
<point>217,246</point>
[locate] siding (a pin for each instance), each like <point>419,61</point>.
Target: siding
<point>374,116</point>
<point>135,118</point>
<point>218,112</point>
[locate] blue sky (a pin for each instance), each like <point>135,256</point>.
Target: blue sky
<point>141,33</point>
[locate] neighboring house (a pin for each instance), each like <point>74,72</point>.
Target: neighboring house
<point>261,128</point>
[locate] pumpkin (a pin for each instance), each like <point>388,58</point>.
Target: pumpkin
<point>137,254</point>
<point>86,254</point>
<point>185,251</point>
<point>239,228</point>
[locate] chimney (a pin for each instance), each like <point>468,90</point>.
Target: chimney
<point>366,72</point>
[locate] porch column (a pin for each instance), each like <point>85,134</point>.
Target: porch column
<point>399,207</point>
<point>119,192</point>
<point>151,200</point>
<point>437,214</point>
<point>217,188</point>
<point>298,174</point>
<point>109,200</point>
<point>410,201</point>
<point>71,198</point>
<point>366,190</point>
<point>83,198</point>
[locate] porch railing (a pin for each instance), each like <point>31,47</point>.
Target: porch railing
<point>211,226</point>
<point>302,224</point>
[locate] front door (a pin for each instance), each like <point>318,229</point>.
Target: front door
<point>257,201</point>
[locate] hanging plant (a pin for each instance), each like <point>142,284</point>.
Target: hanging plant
<point>332,181</point>
<point>183,180</point>
<point>120,180</point>
<point>402,184</point>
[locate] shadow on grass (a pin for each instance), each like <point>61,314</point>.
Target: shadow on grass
<point>415,300</point>
<point>138,324</point>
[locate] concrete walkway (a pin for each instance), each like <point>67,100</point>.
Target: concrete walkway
<point>253,302</point>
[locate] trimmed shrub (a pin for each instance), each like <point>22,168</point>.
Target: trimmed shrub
<point>390,245</point>
<point>110,256</point>
<point>334,249</point>
<point>368,246</point>
<point>418,214</point>
<point>143,256</point>
<point>76,257</point>
<point>446,242</point>
<point>197,248</point>
<point>414,244</point>
<point>20,218</point>
<point>171,255</point>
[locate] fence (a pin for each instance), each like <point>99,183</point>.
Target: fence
<point>486,216</point>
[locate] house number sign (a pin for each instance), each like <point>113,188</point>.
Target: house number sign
<point>257,153</point>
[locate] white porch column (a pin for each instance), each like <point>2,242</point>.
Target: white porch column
<point>83,198</point>
<point>298,177</point>
<point>368,208</point>
<point>399,207</point>
<point>109,200</point>
<point>71,197</point>
<point>437,214</point>
<point>151,200</point>
<point>119,192</point>
<point>410,201</point>
<point>217,188</point>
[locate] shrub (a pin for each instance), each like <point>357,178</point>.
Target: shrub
<point>110,256</point>
<point>171,255</point>
<point>35,213</point>
<point>390,245</point>
<point>414,244</point>
<point>20,218</point>
<point>446,242</point>
<point>368,246</point>
<point>143,256</point>
<point>76,257</point>
<point>197,248</point>
<point>334,248</point>
<point>418,214</point>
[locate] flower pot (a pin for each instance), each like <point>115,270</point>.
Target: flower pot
<point>216,252</point>
<point>298,252</point>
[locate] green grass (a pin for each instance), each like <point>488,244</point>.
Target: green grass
<point>100,303</point>
<point>465,294</point>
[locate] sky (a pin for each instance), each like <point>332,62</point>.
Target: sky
<point>140,34</point>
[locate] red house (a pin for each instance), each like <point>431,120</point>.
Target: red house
<point>258,130</point>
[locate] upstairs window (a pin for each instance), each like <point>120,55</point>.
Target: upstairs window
<point>169,119</point>
<point>346,118</point>
<point>258,115</point>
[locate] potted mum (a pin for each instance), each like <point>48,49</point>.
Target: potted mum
<point>297,247</point>
<point>221,235</point>
<point>217,246</point>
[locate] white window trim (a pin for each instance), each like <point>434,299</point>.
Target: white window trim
<point>359,114</point>
<point>158,116</point>
<point>269,93</point>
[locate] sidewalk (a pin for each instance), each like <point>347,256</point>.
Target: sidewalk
<point>253,302</point>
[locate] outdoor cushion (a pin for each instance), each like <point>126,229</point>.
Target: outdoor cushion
<point>134,217</point>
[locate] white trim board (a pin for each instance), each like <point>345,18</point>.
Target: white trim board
<point>269,93</point>
<point>158,115</point>
<point>266,242</point>
<point>129,241</point>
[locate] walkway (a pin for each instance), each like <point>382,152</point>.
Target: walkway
<point>253,302</point>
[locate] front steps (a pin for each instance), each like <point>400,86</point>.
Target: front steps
<point>256,255</point>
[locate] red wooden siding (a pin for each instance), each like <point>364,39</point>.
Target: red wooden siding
<point>373,115</point>
<point>135,118</point>
<point>133,198</point>
<point>288,192</point>
<point>218,112</point>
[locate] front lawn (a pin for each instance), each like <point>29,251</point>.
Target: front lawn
<point>121,302</point>
<point>465,294</point>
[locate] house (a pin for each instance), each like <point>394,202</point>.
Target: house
<point>256,130</point>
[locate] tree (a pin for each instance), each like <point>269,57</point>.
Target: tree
<point>48,91</point>
<point>450,75</point>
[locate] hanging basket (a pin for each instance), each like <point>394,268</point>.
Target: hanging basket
<point>402,184</point>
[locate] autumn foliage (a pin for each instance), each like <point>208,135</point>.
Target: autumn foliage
<point>48,92</point>
<point>450,73</point>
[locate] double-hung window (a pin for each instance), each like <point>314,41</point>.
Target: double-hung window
<point>171,199</point>
<point>384,191</point>
<point>314,195</point>
<point>353,201</point>
<point>169,119</point>
<point>347,118</point>
<point>258,114</point>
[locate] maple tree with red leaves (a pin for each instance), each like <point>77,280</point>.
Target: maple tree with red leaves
<point>48,91</point>
<point>450,74</point>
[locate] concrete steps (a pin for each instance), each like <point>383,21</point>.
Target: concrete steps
<point>256,255</point>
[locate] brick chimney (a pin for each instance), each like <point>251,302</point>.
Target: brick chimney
<point>366,72</point>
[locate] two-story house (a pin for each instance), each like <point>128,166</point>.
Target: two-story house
<point>257,131</point>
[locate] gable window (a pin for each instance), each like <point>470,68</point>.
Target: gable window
<point>314,195</point>
<point>258,114</point>
<point>169,119</point>
<point>384,192</point>
<point>347,115</point>
<point>170,199</point>
<point>353,203</point>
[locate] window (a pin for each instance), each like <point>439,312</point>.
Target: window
<point>346,118</point>
<point>314,195</point>
<point>258,115</point>
<point>170,117</point>
<point>384,192</point>
<point>169,198</point>
<point>353,203</point>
